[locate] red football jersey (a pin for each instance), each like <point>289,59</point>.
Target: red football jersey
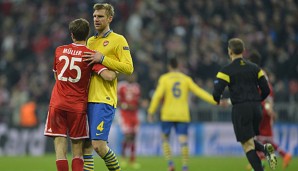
<point>129,93</point>
<point>70,92</point>
<point>266,123</point>
<point>129,96</point>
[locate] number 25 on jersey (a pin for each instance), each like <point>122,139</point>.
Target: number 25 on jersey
<point>71,66</point>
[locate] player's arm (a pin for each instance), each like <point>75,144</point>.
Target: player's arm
<point>125,65</point>
<point>54,65</point>
<point>263,84</point>
<point>269,103</point>
<point>55,75</point>
<point>198,91</point>
<point>158,94</point>
<point>108,75</point>
<point>104,72</point>
<point>221,81</point>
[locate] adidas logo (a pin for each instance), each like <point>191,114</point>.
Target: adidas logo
<point>50,130</point>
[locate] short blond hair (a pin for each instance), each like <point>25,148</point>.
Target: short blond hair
<point>108,7</point>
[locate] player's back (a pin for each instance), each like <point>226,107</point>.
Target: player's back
<point>243,77</point>
<point>176,90</point>
<point>73,75</point>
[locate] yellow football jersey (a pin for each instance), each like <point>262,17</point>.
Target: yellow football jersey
<point>117,57</point>
<point>174,88</point>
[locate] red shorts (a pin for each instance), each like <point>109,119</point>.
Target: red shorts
<point>61,123</point>
<point>129,123</point>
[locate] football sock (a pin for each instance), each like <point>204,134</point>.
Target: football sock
<point>259,146</point>
<point>185,153</point>
<point>167,150</point>
<point>62,165</point>
<point>132,152</point>
<point>281,152</point>
<point>77,164</point>
<point>184,168</point>
<point>124,146</point>
<point>254,160</point>
<point>88,162</point>
<point>171,165</point>
<point>111,161</point>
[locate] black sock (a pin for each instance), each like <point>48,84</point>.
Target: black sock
<point>254,160</point>
<point>259,146</point>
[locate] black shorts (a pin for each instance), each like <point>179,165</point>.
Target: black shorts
<point>246,118</point>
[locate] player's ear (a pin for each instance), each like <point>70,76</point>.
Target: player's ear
<point>110,19</point>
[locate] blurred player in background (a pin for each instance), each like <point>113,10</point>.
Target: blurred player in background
<point>269,115</point>
<point>243,79</point>
<point>129,94</point>
<point>113,52</point>
<point>174,87</point>
<point>67,109</point>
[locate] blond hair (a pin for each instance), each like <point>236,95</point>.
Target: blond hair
<point>108,7</point>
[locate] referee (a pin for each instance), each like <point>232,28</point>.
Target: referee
<point>248,87</point>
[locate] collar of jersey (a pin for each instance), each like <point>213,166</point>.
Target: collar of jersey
<point>77,44</point>
<point>105,35</point>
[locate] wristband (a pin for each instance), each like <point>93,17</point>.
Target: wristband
<point>101,59</point>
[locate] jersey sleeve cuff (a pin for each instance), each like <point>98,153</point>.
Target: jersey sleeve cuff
<point>101,70</point>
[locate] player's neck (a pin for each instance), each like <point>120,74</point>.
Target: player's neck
<point>101,33</point>
<point>234,57</point>
<point>80,42</point>
<point>174,70</point>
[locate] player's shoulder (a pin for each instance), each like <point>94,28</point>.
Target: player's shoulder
<point>92,38</point>
<point>227,68</point>
<point>117,35</point>
<point>60,49</point>
<point>170,75</point>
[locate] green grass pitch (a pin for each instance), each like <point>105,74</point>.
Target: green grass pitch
<point>47,163</point>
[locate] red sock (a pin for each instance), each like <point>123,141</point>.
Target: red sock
<point>77,164</point>
<point>124,146</point>
<point>280,151</point>
<point>62,165</point>
<point>132,154</point>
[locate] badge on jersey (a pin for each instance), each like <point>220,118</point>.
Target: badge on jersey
<point>125,48</point>
<point>105,43</point>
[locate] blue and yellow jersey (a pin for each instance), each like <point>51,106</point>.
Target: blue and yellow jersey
<point>174,88</point>
<point>117,57</point>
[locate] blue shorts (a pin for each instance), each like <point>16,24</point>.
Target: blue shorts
<point>100,118</point>
<point>181,128</point>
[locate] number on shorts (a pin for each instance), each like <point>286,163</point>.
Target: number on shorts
<point>100,126</point>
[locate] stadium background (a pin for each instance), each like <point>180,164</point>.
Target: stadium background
<point>196,31</point>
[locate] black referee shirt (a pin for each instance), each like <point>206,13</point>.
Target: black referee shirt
<point>245,81</point>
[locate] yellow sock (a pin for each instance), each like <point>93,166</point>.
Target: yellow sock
<point>88,162</point>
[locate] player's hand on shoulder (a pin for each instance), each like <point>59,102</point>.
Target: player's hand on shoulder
<point>93,57</point>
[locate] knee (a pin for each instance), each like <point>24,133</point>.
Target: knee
<point>248,145</point>
<point>165,137</point>
<point>100,148</point>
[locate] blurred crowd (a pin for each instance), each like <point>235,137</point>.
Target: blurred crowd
<point>196,31</point>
